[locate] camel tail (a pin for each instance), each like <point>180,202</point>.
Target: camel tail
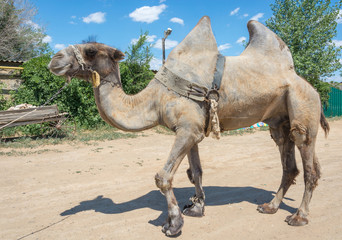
<point>324,123</point>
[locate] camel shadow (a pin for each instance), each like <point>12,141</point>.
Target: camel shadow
<point>215,196</point>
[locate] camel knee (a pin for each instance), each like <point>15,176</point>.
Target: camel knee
<point>299,134</point>
<point>163,182</point>
<point>190,176</point>
<point>197,172</point>
<point>194,173</point>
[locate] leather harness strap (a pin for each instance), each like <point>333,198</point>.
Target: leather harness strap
<point>197,92</point>
<point>180,85</point>
<point>189,89</point>
<point>218,71</point>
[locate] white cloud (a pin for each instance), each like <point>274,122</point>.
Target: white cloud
<point>98,17</point>
<point>245,15</point>
<point>134,41</point>
<point>241,40</point>
<point>257,17</point>
<point>339,17</point>
<point>150,39</point>
<point>35,26</point>
<point>224,46</point>
<point>155,63</point>
<point>235,11</point>
<point>168,44</point>
<point>72,21</point>
<point>338,43</point>
<point>147,14</point>
<point>47,39</point>
<point>59,46</point>
<point>177,20</point>
<point>161,1</point>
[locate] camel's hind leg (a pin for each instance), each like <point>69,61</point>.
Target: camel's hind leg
<point>281,135</point>
<point>196,209</point>
<point>311,175</point>
<point>305,115</point>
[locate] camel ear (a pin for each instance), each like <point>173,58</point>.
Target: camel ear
<point>118,55</point>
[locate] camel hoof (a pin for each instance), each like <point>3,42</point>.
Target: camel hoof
<point>296,220</point>
<point>265,208</point>
<point>194,210</point>
<point>172,228</point>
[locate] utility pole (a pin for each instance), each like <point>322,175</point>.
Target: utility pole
<point>166,34</point>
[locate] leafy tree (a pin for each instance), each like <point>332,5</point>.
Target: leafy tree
<point>308,27</point>
<point>135,70</point>
<point>21,39</point>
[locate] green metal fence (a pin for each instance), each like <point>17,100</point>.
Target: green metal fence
<point>335,104</point>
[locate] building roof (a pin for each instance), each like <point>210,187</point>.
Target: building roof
<point>11,63</point>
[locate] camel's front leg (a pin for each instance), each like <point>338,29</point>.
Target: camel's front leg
<point>183,143</point>
<point>196,208</point>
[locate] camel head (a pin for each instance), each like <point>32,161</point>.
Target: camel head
<point>82,60</point>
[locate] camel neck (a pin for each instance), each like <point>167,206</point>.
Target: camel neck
<point>127,112</point>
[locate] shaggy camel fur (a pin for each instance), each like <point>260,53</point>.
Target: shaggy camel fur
<point>258,85</point>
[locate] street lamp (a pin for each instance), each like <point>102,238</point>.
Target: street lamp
<point>166,34</point>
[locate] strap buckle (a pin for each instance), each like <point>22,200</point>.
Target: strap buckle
<point>213,94</point>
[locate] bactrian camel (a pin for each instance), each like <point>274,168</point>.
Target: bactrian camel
<point>259,85</point>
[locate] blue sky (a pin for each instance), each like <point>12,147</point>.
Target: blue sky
<point>118,22</point>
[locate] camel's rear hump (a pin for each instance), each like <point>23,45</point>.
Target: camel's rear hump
<point>263,43</point>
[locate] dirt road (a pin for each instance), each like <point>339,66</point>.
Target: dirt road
<point>107,190</point>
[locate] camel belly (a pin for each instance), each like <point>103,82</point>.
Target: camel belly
<point>231,118</point>
<point>251,92</point>
<point>243,110</point>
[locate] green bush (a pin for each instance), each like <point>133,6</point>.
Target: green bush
<point>4,103</point>
<point>134,77</point>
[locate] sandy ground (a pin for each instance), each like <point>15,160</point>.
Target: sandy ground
<point>107,191</point>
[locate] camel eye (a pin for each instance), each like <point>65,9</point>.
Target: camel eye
<point>91,52</point>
